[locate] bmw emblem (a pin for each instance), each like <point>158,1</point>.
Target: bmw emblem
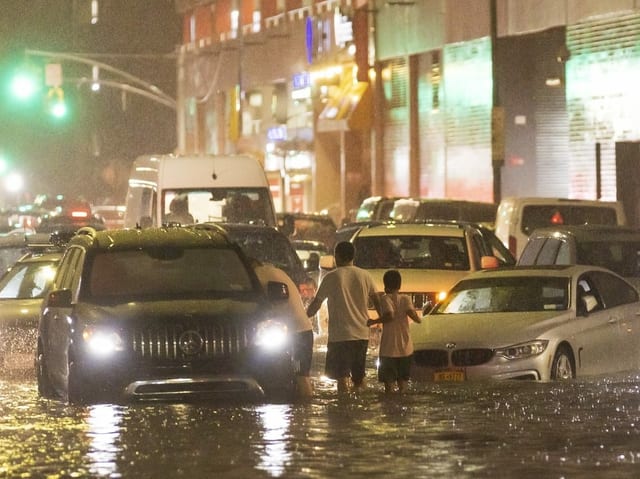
<point>451,345</point>
<point>190,342</point>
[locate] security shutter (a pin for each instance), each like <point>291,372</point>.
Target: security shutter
<point>602,81</point>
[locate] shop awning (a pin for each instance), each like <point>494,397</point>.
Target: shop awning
<point>350,108</point>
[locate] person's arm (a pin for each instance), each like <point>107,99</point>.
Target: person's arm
<point>314,306</point>
<point>411,312</point>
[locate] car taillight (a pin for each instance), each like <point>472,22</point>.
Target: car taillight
<point>79,214</point>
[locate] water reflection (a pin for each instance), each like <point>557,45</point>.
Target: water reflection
<point>103,431</point>
<point>276,420</point>
<point>518,429</point>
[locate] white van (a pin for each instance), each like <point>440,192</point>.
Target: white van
<point>517,218</point>
<point>231,188</point>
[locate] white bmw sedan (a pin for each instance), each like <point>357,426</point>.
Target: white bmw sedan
<point>537,323</point>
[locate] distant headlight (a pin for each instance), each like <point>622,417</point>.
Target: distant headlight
<point>523,350</point>
<point>272,335</point>
<point>102,343</point>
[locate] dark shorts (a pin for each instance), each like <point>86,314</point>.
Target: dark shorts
<point>347,359</point>
<point>394,369</point>
<point>303,352</point>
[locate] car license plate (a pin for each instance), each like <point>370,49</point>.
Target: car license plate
<point>451,375</point>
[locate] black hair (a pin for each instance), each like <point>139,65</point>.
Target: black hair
<point>392,280</point>
<point>344,252</point>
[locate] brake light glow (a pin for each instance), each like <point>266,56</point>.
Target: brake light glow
<point>79,214</point>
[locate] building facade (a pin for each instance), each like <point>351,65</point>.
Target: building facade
<point>468,99</point>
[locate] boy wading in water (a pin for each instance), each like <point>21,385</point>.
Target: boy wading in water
<point>396,347</point>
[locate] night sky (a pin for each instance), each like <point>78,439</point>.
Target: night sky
<point>89,153</point>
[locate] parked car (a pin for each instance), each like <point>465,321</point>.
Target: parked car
<point>429,209</point>
<point>517,218</point>
<point>308,227</point>
<point>613,247</point>
<point>22,289</point>
<point>431,257</point>
<point>266,244</point>
<point>111,215</point>
<point>536,323</point>
<point>375,208</point>
<point>162,314</point>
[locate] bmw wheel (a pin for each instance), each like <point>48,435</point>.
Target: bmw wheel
<point>562,367</point>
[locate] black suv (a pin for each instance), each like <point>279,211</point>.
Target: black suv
<point>161,314</point>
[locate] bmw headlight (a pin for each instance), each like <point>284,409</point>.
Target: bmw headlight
<point>523,350</point>
<point>272,335</point>
<point>101,342</point>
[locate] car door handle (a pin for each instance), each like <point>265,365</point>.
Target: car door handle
<point>613,320</point>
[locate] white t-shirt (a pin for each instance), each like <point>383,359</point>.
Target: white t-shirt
<point>396,338</point>
<point>347,290</point>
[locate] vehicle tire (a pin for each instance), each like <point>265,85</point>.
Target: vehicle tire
<point>562,367</point>
<point>76,388</point>
<point>44,383</point>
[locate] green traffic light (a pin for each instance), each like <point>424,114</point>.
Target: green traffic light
<point>56,104</point>
<point>24,86</point>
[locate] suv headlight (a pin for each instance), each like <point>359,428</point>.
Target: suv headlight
<point>101,342</point>
<point>523,350</point>
<point>272,335</point>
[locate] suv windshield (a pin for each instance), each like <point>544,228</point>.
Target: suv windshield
<point>420,252</point>
<point>166,272</point>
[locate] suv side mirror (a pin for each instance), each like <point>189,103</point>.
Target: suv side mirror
<point>277,291</point>
<point>60,298</point>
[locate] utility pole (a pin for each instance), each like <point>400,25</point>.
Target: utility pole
<point>497,111</point>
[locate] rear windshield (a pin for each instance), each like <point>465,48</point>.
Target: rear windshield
<point>538,216</point>
<point>167,272</point>
<point>419,252</point>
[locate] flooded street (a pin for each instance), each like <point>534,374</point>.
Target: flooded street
<point>515,429</point>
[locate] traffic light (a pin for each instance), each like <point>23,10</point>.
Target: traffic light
<point>56,105</point>
<point>25,84</point>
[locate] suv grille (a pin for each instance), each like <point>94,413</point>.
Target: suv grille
<point>179,341</point>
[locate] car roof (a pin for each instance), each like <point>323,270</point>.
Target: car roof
<point>413,229</point>
<point>589,232</point>
<point>126,239</point>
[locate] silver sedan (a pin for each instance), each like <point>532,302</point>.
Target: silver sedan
<point>538,323</point>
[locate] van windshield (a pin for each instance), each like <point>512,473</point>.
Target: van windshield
<point>230,205</point>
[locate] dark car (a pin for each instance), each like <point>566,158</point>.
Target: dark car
<point>613,247</point>
<point>69,216</point>
<point>162,314</point>
<point>267,245</point>
<point>308,227</point>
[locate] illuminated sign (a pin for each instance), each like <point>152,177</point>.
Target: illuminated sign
<point>277,133</point>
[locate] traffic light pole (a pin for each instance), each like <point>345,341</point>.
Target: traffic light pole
<point>145,89</point>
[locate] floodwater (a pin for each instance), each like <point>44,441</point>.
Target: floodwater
<point>587,428</point>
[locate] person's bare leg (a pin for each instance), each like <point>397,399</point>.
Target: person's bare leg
<point>343,385</point>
